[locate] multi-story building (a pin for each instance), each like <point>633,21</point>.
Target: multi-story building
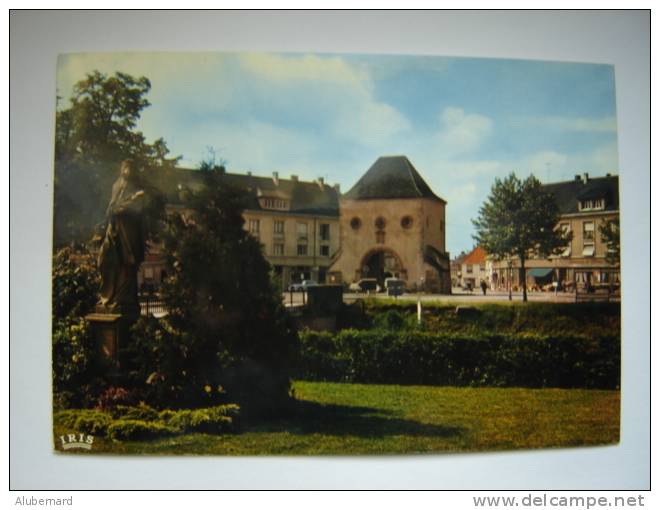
<point>393,225</point>
<point>389,224</point>
<point>585,203</point>
<point>297,222</point>
<point>473,269</point>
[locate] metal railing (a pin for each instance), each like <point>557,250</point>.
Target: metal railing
<point>152,304</point>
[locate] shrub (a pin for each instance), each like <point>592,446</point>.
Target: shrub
<point>212,420</point>
<point>143,422</point>
<point>589,319</point>
<point>140,412</point>
<point>77,367</point>
<point>391,320</point>
<point>228,321</point>
<point>173,367</point>
<point>127,430</point>
<point>75,283</point>
<point>95,423</point>
<point>88,421</point>
<point>416,357</point>
<point>116,396</point>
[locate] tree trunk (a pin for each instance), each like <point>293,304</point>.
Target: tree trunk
<point>524,277</point>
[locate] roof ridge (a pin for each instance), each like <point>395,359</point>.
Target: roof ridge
<point>412,175</point>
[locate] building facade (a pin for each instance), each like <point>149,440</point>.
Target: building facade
<point>473,269</point>
<point>585,204</point>
<point>297,222</point>
<point>392,225</point>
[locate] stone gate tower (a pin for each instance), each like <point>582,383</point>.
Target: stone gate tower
<point>392,224</point>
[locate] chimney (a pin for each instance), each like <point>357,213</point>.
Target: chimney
<point>608,174</point>
<point>276,178</point>
<point>585,178</point>
<point>337,187</point>
<point>320,182</point>
<point>577,177</point>
<point>294,178</point>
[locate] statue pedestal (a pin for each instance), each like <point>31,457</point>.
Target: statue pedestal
<point>111,330</point>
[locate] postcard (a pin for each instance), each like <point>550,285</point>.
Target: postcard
<point>334,254</point>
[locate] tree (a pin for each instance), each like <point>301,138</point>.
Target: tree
<point>226,326</point>
<point>95,133</point>
<point>100,124</point>
<point>609,231</point>
<point>519,220</point>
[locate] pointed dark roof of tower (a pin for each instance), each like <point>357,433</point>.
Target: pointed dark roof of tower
<point>391,177</point>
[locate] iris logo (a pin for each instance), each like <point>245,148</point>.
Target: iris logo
<point>71,441</point>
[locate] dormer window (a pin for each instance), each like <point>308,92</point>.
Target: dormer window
<point>273,203</point>
<point>592,205</point>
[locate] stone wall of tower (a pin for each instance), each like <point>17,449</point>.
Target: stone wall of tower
<point>408,226</point>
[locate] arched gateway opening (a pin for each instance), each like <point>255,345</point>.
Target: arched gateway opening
<point>381,263</point>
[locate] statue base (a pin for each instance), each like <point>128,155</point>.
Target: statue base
<point>111,331</point>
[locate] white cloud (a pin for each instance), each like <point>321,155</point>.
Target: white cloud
<point>305,68</point>
<point>338,94</point>
<point>571,124</point>
<point>544,161</point>
<point>327,95</point>
<point>462,132</point>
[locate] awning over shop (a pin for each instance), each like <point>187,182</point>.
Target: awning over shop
<point>540,272</point>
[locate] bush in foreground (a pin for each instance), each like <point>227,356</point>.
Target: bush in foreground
<point>125,423</point>
<point>418,357</point>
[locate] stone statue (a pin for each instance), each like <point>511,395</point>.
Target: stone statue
<point>122,250</point>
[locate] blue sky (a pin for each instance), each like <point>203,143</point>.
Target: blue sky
<point>462,122</point>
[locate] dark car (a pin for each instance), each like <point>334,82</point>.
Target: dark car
<point>394,286</point>
<point>365,285</point>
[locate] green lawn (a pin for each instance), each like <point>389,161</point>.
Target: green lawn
<point>334,418</point>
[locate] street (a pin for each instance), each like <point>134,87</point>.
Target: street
<point>458,296</point>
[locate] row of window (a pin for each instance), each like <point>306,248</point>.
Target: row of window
<point>588,238</point>
<point>592,205</point>
<point>273,203</point>
<point>480,267</point>
<point>380,223</point>
<point>302,228</point>
<point>301,249</point>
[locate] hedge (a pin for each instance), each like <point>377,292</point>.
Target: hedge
<point>143,422</point>
<point>417,357</point>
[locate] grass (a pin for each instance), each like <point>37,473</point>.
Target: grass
<point>334,418</point>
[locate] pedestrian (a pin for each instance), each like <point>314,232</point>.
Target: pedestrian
<point>483,286</point>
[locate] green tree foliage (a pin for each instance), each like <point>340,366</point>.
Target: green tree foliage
<point>519,220</point>
<point>93,135</point>
<point>75,283</point>
<point>226,334</point>
<point>100,124</point>
<point>609,231</point>
<point>76,365</point>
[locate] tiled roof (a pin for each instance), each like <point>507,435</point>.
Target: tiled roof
<point>305,197</point>
<point>569,193</point>
<point>391,177</point>
<point>476,256</point>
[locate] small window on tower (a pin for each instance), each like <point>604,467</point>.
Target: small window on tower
<point>406,222</point>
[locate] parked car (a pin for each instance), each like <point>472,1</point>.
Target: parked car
<point>394,286</point>
<point>302,286</point>
<point>365,285</point>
